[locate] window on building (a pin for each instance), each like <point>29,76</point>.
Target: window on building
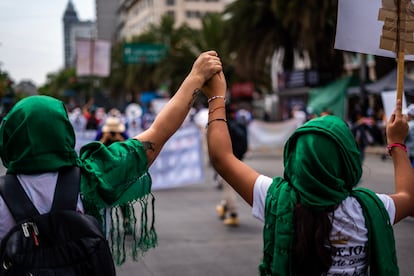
<point>171,13</point>
<point>170,2</point>
<point>193,14</point>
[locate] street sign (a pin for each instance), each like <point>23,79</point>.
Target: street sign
<point>143,53</point>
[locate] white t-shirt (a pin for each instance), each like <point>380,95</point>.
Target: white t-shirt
<point>40,188</point>
<point>348,235</point>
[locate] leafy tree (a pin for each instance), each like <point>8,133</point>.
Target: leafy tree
<point>4,83</point>
<point>115,82</point>
<point>213,36</point>
<point>180,55</point>
<point>57,83</point>
<point>133,79</point>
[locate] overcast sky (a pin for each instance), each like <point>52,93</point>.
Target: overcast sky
<point>31,36</point>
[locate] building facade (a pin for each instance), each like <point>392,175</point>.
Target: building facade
<point>123,19</point>
<point>106,19</point>
<point>135,16</point>
<point>73,29</point>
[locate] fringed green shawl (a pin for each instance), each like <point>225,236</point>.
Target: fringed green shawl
<point>117,175</point>
<point>37,137</point>
<point>322,167</point>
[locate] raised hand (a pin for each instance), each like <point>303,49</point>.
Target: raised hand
<point>397,126</point>
<point>206,65</point>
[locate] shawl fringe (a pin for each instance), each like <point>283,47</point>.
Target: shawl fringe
<point>132,231</point>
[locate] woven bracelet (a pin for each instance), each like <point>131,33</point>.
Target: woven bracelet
<point>398,145</point>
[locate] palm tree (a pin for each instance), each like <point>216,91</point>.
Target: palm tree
<point>251,31</point>
<point>132,79</point>
<point>213,36</point>
<point>173,68</point>
<point>257,28</point>
<point>311,26</point>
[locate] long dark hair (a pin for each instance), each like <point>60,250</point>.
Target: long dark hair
<point>312,251</point>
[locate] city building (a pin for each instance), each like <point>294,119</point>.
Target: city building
<point>135,16</point>
<point>74,29</point>
<point>123,19</point>
<point>106,19</point>
<point>25,88</point>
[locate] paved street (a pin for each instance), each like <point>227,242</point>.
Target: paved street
<point>193,241</point>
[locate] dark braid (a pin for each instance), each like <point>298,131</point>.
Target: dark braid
<point>312,251</point>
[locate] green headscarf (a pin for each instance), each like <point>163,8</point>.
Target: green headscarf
<point>322,167</point>
<point>36,136</point>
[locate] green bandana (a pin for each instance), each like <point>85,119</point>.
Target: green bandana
<point>36,136</point>
<point>322,167</point>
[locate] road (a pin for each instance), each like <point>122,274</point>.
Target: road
<point>193,241</point>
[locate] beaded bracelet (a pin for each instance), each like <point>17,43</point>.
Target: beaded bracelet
<point>216,97</point>
<point>217,119</point>
<point>399,145</point>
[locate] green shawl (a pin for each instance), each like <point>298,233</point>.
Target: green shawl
<point>36,136</point>
<point>322,167</point>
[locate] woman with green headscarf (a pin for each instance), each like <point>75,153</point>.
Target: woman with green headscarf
<point>316,222</point>
<point>37,140</point>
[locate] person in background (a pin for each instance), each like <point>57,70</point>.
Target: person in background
<point>114,131</point>
<point>148,117</point>
<point>361,129</point>
<point>409,141</point>
<point>227,210</point>
<point>314,213</point>
<point>37,140</point>
<point>89,112</point>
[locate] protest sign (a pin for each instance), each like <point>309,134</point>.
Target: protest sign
<point>180,162</point>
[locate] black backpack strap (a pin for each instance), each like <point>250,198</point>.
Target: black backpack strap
<point>20,205</point>
<point>67,189</point>
<point>16,198</point>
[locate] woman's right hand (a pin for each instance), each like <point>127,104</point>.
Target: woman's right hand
<point>397,126</point>
<point>216,86</point>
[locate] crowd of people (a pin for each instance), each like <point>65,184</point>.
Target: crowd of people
<point>310,214</point>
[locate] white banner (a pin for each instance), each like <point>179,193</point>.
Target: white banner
<point>83,137</point>
<point>264,136</point>
<point>389,99</point>
<point>180,161</point>
<point>93,57</point>
<point>358,28</point>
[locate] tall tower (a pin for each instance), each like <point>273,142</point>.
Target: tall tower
<point>70,17</point>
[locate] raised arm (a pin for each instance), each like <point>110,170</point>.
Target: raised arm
<point>397,129</point>
<point>239,175</point>
<point>174,112</point>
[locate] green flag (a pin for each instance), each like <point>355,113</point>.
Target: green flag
<point>331,97</point>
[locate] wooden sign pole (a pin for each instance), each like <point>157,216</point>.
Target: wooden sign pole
<point>400,75</point>
<point>400,47</point>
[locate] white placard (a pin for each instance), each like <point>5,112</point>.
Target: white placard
<point>358,28</point>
